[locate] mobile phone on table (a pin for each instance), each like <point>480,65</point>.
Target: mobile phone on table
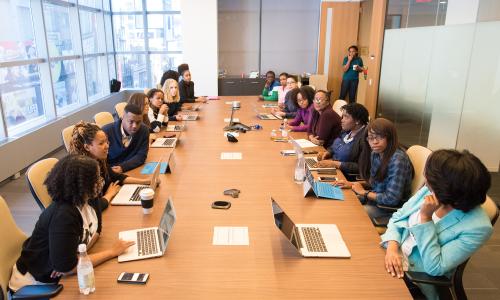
<point>327,178</point>
<point>135,278</point>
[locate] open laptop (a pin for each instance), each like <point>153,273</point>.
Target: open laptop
<point>311,161</point>
<point>176,127</point>
<point>129,193</point>
<point>265,115</point>
<point>164,142</point>
<point>190,117</point>
<point>150,242</point>
<point>311,240</point>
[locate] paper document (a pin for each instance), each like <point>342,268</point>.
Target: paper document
<point>231,155</point>
<point>227,120</point>
<point>233,133</point>
<point>232,236</point>
<point>303,143</point>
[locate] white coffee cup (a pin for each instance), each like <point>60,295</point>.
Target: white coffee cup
<point>147,198</point>
<point>354,67</point>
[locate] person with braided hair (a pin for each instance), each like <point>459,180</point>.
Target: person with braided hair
<point>88,139</point>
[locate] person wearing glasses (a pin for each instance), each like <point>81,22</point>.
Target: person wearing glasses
<point>325,123</point>
<point>386,169</point>
<point>344,153</point>
<point>303,99</point>
<point>443,224</point>
<point>288,109</point>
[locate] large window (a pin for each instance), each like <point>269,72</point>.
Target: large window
<point>147,39</point>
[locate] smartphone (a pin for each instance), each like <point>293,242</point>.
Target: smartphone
<point>328,178</point>
<point>136,278</point>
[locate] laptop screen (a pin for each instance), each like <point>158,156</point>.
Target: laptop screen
<point>166,224</point>
<point>282,221</point>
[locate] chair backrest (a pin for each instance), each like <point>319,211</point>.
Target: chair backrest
<point>66,136</point>
<point>146,90</point>
<point>120,109</point>
<point>103,118</point>
<point>35,176</point>
<point>12,240</point>
<point>491,209</point>
<point>320,81</point>
<point>418,157</point>
<point>337,105</point>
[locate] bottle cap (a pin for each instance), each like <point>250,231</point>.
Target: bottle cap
<point>82,248</point>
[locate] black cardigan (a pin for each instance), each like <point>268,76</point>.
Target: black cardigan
<point>186,91</point>
<point>53,245</point>
<point>351,166</point>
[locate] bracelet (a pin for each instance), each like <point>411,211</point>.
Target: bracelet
<point>365,196</point>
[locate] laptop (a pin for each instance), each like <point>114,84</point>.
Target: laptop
<point>177,127</point>
<point>190,117</point>
<point>266,116</point>
<point>310,161</point>
<point>129,193</point>
<point>311,240</point>
<point>163,142</point>
<point>149,242</point>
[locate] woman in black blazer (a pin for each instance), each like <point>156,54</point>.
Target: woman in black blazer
<point>186,89</point>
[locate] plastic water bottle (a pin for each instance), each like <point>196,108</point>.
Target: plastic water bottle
<point>300,172</point>
<point>85,270</point>
<point>284,128</point>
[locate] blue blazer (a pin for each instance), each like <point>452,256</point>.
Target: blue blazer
<point>441,247</point>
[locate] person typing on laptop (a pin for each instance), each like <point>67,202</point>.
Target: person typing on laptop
<point>71,219</point>
<point>128,140</point>
<point>89,140</point>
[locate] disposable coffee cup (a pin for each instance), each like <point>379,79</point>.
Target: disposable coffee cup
<point>236,104</point>
<point>354,67</point>
<point>147,197</point>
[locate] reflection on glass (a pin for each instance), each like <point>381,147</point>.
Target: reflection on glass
<point>161,63</point>
<point>58,30</point>
<point>161,5</point>
<point>109,33</point>
<point>132,70</point>
<point>17,42</point>
<point>91,3</point>
<point>111,67</point>
<point>126,5</point>
<point>88,25</point>
<point>415,13</point>
<point>94,77</point>
<point>128,32</point>
<point>21,96</point>
<point>65,88</point>
<point>164,32</point>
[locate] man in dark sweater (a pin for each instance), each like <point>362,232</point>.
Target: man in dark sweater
<point>128,140</point>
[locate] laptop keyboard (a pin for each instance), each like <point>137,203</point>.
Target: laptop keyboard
<point>264,117</point>
<point>146,244</point>
<point>177,127</point>
<point>311,162</point>
<point>314,240</point>
<point>168,142</point>
<point>135,196</point>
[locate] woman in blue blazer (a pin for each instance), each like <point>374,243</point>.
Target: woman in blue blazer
<point>443,224</point>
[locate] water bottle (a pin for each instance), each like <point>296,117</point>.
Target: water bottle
<point>274,134</point>
<point>284,128</point>
<point>85,271</point>
<point>300,173</point>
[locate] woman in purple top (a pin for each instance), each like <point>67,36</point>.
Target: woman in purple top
<point>325,123</point>
<point>303,99</point>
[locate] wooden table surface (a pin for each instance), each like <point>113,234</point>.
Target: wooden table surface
<point>269,268</point>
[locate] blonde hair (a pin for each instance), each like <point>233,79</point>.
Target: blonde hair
<point>166,92</point>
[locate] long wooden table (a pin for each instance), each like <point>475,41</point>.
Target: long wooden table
<point>269,268</point>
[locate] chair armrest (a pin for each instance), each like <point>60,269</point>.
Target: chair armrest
<point>37,291</point>
<point>422,277</point>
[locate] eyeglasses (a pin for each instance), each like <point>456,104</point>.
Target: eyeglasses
<point>318,101</point>
<point>301,100</point>
<point>377,138</point>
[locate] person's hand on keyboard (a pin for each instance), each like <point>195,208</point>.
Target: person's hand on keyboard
<point>323,155</point>
<point>326,164</point>
<point>120,246</point>
<point>342,184</point>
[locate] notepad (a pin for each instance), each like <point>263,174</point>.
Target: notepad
<point>149,168</point>
<point>227,120</point>
<point>230,236</point>
<point>231,155</point>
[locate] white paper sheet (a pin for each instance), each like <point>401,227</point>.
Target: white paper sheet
<point>230,236</point>
<point>303,143</point>
<point>226,120</point>
<point>235,134</point>
<point>231,155</point>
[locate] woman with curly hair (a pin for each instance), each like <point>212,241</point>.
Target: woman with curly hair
<point>89,140</point>
<point>73,218</point>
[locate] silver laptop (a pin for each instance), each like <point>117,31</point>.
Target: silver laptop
<point>311,240</point>
<point>310,161</point>
<point>190,117</point>
<point>150,242</point>
<point>163,142</point>
<point>265,116</point>
<point>175,128</point>
<point>129,193</point>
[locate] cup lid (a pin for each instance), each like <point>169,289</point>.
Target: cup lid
<point>147,193</point>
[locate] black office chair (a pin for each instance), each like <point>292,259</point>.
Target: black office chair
<point>449,288</point>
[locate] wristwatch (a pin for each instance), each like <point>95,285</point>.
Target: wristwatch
<point>365,196</point>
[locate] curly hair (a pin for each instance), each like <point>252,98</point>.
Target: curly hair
<point>357,111</point>
<point>84,134</point>
<point>73,180</point>
<point>305,91</point>
<point>457,178</point>
<point>170,74</point>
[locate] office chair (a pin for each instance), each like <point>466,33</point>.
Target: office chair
<point>35,176</point>
<point>319,80</point>
<point>418,157</point>
<point>103,118</point>
<point>66,136</point>
<point>12,241</point>
<point>337,105</point>
<point>452,288</point>
<point>120,109</point>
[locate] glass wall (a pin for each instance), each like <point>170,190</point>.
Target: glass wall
<point>147,39</point>
<point>438,85</point>
<point>57,56</point>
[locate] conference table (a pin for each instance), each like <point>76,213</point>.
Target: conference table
<point>269,267</point>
